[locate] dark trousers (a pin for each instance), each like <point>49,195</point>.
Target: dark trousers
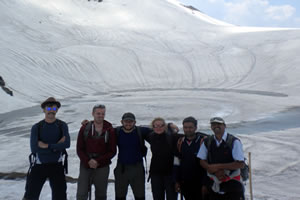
<point>54,172</point>
<point>191,190</point>
<point>234,190</point>
<point>133,175</point>
<point>163,186</point>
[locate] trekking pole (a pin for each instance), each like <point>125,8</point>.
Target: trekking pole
<point>250,176</point>
<point>90,185</point>
<point>181,195</point>
<point>90,189</point>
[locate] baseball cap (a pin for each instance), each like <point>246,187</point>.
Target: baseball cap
<point>217,120</point>
<point>128,116</point>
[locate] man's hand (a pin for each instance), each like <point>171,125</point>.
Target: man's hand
<point>84,122</point>
<point>174,128</point>
<point>213,168</point>
<point>62,140</point>
<point>42,145</point>
<point>93,164</point>
<point>220,174</point>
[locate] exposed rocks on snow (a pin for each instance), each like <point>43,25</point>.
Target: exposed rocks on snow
<point>2,84</point>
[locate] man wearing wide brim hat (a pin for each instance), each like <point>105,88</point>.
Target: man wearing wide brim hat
<point>49,140</point>
<point>222,156</point>
<point>50,101</point>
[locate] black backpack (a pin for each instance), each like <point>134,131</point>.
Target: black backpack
<point>229,142</point>
<point>32,156</point>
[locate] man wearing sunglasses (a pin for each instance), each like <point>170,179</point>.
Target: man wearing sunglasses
<point>48,140</point>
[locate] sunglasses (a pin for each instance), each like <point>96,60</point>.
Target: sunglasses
<point>159,126</point>
<point>51,108</point>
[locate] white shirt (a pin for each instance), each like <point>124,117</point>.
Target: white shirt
<point>237,150</point>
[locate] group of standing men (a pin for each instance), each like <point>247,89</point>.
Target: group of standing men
<point>199,166</point>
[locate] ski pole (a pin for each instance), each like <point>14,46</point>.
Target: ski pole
<point>250,176</point>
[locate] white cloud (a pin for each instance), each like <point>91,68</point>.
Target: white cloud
<point>250,12</point>
<point>256,12</point>
<point>280,12</point>
<point>244,12</point>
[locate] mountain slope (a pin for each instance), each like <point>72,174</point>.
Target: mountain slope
<point>77,47</point>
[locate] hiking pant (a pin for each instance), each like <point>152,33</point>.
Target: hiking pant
<point>37,177</point>
<point>191,190</point>
<point>163,186</point>
<point>88,177</point>
<point>133,175</point>
<point>234,190</point>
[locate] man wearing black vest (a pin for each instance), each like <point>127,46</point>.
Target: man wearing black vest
<point>222,162</point>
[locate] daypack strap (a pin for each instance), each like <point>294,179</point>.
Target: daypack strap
<point>88,127</point>
<point>87,130</point>
<point>179,143</point>
<point>32,160</point>
<point>65,162</point>
<point>143,148</point>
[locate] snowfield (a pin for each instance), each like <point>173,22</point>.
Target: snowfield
<point>153,58</point>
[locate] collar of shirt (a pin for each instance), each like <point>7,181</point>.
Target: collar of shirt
<point>224,137</point>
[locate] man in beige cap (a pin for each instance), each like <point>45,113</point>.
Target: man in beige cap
<point>48,140</point>
<point>222,156</point>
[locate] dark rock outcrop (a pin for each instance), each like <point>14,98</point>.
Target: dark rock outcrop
<point>2,85</point>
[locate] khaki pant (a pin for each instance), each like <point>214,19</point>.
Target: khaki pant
<point>97,177</point>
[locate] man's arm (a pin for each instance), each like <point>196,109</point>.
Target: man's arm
<point>213,168</point>
<point>81,147</point>
<point>146,131</point>
<point>34,139</point>
<point>64,142</point>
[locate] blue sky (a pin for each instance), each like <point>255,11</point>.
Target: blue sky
<point>263,13</point>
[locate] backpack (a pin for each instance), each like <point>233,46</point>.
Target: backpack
<point>32,156</point>
<point>87,130</point>
<point>229,142</point>
<point>198,136</point>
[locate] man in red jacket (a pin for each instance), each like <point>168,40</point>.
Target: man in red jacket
<point>96,146</point>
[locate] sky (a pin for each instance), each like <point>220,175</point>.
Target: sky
<point>261,13</point>
<point>155,59</point>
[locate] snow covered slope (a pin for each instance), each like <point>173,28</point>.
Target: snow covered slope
<point>76,47</point>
